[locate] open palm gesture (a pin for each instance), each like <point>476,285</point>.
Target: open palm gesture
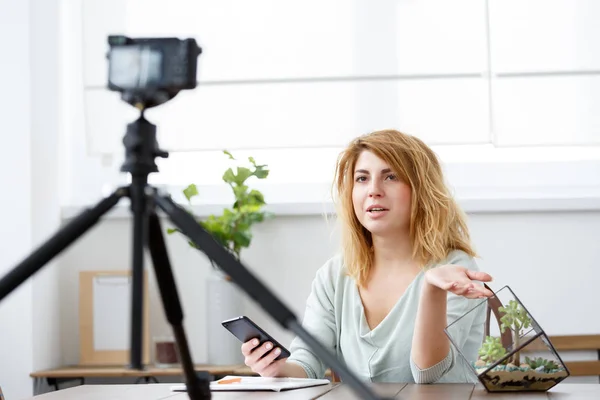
<point>459,280</point>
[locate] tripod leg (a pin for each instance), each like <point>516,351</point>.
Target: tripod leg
<point>244,279</point>
<point>57,243</point>
<point>139,208</point>
<point>197,388</point>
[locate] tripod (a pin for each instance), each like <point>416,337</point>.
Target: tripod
<point>141,148</point>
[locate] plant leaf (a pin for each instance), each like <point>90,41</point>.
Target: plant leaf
<point>228,154</point>
<point>256,198</point>
<point>250,208</point>
<point>256,217</point>
<point>190,192</point>
<point>240,193</point>
<point>216,229</point>
<point>242,239</point>
<point>261,172</point>
<point>243,173</point>
<point>229,176</point>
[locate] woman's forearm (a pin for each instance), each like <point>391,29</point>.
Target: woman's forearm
<point>430,344</point>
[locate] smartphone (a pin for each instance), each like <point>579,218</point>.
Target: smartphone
<point>245,329</point>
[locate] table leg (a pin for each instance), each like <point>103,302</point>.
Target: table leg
<point>147,379</point>
<point>598,360</point>
<point>55,381</point>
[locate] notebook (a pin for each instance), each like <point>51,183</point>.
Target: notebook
<point>252,383</point>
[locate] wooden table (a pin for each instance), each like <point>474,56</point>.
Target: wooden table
<point>459,391</point>
<point>55,376</point>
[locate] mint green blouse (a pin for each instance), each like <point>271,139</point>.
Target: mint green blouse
<point>335,315</point>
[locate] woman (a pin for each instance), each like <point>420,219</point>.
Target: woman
<point>406,271</point>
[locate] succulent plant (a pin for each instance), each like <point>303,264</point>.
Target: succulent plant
<point>539,362</point>
<point>492,350</point>
<point>516,319</point>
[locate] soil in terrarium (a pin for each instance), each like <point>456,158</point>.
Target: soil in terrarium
<point>510,377</point>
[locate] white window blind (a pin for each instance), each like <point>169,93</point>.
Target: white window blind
<point>546,63</point>
<point>290,82</point>
<point>287,74</point>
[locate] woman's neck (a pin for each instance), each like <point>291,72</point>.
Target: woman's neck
<point>393,253</point>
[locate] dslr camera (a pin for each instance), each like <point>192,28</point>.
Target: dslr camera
<point>151,71</point>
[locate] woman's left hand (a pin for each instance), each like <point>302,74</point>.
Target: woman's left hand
<point>459,280</point>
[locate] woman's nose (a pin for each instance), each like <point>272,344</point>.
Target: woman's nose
<point>374,189</point>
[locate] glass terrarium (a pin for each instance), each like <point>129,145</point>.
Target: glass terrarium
<point>516,354</point>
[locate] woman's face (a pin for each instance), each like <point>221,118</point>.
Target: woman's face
<point>382,201</point>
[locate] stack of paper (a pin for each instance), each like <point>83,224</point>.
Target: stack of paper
<point>252,383</point>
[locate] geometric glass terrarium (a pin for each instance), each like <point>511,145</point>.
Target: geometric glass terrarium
<point>516,354</point>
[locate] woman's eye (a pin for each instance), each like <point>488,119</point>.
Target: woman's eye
<point>360,178</point>
<point>391,177</point>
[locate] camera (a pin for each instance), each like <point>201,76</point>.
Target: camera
<point>150,71</point>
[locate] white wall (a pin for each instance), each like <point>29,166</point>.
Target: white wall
<point>548,259</point>
<point>276,256</point>
<point>15,204</point>
<point>46,154</point>
<point>30,203</point>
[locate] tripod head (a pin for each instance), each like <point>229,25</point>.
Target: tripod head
<point>149,72</point>
<point>141,148</point>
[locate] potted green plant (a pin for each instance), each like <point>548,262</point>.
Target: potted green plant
<point>232,228</point>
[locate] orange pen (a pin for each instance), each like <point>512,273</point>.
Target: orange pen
<point>232,380</point>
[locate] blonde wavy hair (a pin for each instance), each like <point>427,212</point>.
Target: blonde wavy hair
<point>437,224</point>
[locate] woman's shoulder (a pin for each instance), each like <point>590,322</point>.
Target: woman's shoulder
<point>332,273</point>
<point>332,268</point>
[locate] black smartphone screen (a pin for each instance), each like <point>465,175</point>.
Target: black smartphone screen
<point>245,329</point>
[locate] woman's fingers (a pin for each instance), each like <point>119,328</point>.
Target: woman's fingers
<point>461,287</point>
<point>470,289</point>
<point>248,346</point>
<point>253,357</point>
<point>267,361</point>
<point>487,292</point>
<point>479,276</point>
<point>479,291</point>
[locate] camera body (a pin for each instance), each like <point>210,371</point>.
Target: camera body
<point>151,71</point>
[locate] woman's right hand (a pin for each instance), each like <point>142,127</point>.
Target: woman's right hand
<point>264,366</point>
